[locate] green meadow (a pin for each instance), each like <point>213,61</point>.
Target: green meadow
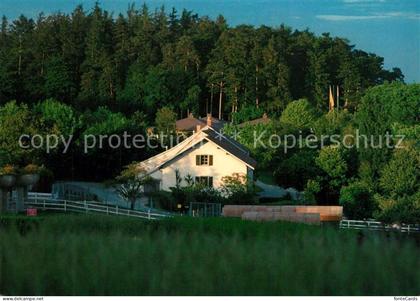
<point>101,255</point>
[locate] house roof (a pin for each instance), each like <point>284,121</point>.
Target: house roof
<point>216,123</point>
<point>263,120</point>
<point>190,123</point>
<point>206,134</point>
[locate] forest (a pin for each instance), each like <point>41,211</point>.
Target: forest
<point>93,72</point>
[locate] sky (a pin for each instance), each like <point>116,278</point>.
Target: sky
<point>389,28</point>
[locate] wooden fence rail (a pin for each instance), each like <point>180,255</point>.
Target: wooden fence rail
<point>45,201</point>
<point>374,225</point>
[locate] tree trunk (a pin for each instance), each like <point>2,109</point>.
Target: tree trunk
<point>220,100</point>
<point>257,101</point>
<point>211,99</point>
<point>20,54</point>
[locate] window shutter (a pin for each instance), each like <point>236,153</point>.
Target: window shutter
<point>197,160</point>
<point>211,160</point>
<point>210,181</point>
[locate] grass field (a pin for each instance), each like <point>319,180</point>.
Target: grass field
<point>100,255</point>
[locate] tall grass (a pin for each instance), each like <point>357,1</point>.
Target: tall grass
<point>95,255</point>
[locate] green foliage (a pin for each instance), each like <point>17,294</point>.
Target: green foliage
<point>163,200</point>
<point>332,161</point>
<point>131,183</point>
<point>229,256</point>
<point>238,190</point>
<point>246,136</point>
<point>401,210</point>
<point>103,121</point>
<point>333,122</point>
<point>357,201</point>
<point>401,175</point>
<point>296,170</point>
<point>58,82</point>
<point>8,169</point>
<point>56,118</point>
<point>165,120</point>
<point>312,188</point>
<point>379,110</point>
<point>299,114</point>
<point>15,120</point>
<point>247,113</point>
<point>146,60</point>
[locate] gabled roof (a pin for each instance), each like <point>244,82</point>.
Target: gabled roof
<point>189,124</point>
<point>263,120</point>
<point>206,134</point>
<point>216,123</point>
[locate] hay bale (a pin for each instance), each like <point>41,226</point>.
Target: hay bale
<point>330,218</point>
<point>288,209</point>
<point>250,215</point>
<point>235,210</point>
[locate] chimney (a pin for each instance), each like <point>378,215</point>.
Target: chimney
<point>209,120</point>
<point>197,128</point>
<point>265,116</point>
<point>190,115</point>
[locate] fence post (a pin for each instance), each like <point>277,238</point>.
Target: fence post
<point>148,214</point>
<point>86,209</point>
<point>44,205</point>
<point>65,206</point>
<point>107,210</point>
<point>116,210</point>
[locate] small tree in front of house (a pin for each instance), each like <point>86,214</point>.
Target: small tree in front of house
<point>238,190</point>
<point>131,183</point>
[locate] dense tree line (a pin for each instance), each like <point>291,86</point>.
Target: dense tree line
<point>370,176</point>
<point>144,60</point>
<point>93,73</point>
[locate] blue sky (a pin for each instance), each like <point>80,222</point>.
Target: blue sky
<point>389,28</point>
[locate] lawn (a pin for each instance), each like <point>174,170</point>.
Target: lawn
<point>100,255</point>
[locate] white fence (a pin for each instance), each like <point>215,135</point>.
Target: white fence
<point>45,201</point>
<point>374,225</point>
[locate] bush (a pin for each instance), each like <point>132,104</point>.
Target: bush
<point>163,200</point>
<point>296,170</point>
<point>8,170</point>
<point>357,201</point>
<point>238,190</point>
<point>299,114</point>
<point>311,190</point>
<point>403,210</point>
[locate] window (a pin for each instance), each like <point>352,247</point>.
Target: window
<point>206,181</point>
<point>204,160</point>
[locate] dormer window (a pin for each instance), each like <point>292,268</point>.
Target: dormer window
<point>204,160</point>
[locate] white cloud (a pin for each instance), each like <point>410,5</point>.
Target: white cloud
<point>389,15</point>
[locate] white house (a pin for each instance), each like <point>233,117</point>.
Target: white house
<point>207,156</point>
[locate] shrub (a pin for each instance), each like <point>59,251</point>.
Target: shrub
<point>311,190</point>
<point>163,200</point>
<point>299,114</point>
<point>357,201</point>
<point>296,170</point>
<point>238,190</point>
<point>31,169</point>
<point>403,210</point>
<point>8,170</point>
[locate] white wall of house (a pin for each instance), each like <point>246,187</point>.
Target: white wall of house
<point>224,164</point>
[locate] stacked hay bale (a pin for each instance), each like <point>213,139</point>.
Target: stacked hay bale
<point>299,214</point>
